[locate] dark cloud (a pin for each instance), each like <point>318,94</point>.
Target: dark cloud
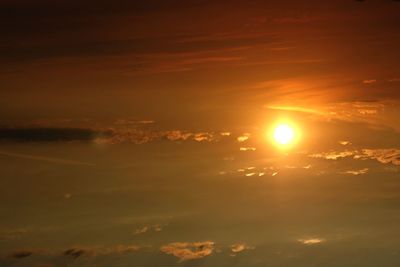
<point>76,252</point>
<point>21,254</point>
<point>48,134</point>
<point>109,136</point>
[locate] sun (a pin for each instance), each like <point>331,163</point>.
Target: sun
<point>284,134</point>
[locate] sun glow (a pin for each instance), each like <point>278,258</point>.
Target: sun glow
<point>284,134</point>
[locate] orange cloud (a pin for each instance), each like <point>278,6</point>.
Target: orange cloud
<point>239,247</point>
<point>189,251</point>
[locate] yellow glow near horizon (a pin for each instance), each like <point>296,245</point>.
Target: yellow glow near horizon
<point>284,134</point>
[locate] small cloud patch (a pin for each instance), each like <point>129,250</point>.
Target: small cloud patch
<point>357,172</point>
<point>148,228</point>
<point>189,251</point>
<point>311,241</point>
<point>21,254</point>
<point>238,248</point>
<point>345,143</point>
<point>247,149</point>
<point>370,81</point>
<point>243,137</point>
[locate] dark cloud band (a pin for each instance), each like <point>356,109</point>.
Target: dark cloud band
<point>48,134</point>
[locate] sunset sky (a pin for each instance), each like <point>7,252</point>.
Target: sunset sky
<point>152,133</point>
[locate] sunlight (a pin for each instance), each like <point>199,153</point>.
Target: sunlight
<point>284,134</point>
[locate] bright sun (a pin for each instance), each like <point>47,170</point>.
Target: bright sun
<point>284,134</point>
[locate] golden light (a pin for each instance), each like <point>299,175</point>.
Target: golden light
<point>284,134</point>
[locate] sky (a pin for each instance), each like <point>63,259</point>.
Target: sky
<point>141,133</point>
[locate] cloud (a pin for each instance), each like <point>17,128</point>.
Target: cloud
<point>357,172</point>
<point>133,122</point>
<point>295,109</point>
<point>247,149</point>
<point>147,228</point>
<point>39,134</point>
<point>141,137</point>
<point>99,136</point>
<point>21,254</point>
<point>189,251</point>
<point>311,241</point>
<point>77,252</point>
<point>88,36</point>
<point>374,112</point>
<point>382,155</point>
<point>385,156</point>
<point>243,137</point>
<point>344,143</point>
<point>369,81</point>
<point>334,155</point>
<point>178,62</point>
<point>203,137</point>
<point>142,230</point>
<point>238,248</point>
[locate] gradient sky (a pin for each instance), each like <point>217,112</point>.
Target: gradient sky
<point>136,133</point>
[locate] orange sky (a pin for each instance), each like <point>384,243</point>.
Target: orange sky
<point>138,133</point>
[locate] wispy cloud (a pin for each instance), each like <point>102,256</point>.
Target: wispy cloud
<point>357,172</point>
<point>371,81</point>
<point>311,241</point>
<point>189,251</point>
<point>296,109</point>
